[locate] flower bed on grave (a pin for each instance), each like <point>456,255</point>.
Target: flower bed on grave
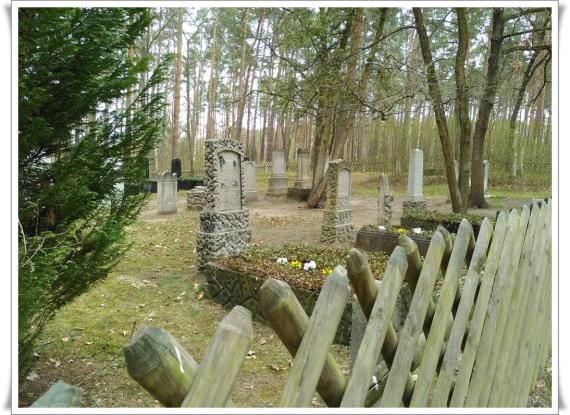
<point>374,238</point>
<point>236,280</point>
<point>429,219</point>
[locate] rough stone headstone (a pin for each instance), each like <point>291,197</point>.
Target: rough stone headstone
<point>385,200</point>
<point>278,179</point>
<point>195,198</point>
<point>486,178</point>
<point>166,188</point>
<point>414,195</point>
<point>337,217</point>
<point>249,171</point>
<point>224,222</point>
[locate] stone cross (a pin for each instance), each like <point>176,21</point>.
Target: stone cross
<point>303,164</point>
<point>278,180</point>
<point>224,222</point>
<point>337,217</point>
<point>249,171</point>
<point>385,199</point>
<point>166,188</point>
<point>486,178</point>
<point>414,195</point>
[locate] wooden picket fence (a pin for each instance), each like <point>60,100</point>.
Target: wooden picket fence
<point>487,332</point>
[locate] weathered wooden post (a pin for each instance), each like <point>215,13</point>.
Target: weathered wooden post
<point>409,335</point>
<point>160,365</point>
<point>436,337</point>
<point>59,395</point>
<point>453,349</point>
<point>313,351</point>
<point>287,318</point>
<point>223,360</point>
<point>380,320</point>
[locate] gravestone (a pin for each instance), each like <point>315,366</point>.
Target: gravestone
<point>278,180</point>
<point>249,171</point>
<point>414,195</point>
<point>224,222</point>
<point>195,198</point>
<point>166,188</point>
<point>303,181</point>
<point>385,200</point>
<point>337,217</point>
<point>486,178</point>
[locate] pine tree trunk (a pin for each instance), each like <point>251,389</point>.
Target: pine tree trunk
<point>476,197</point>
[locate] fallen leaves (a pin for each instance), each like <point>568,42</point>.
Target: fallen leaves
<point>65,339</point>
<point>32,376</point>
<point>56,363</point>
<point>251,355</point>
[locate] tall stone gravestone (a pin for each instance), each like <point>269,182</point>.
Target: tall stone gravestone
<point>486,178</point>
<point>278,180</point>
<point>414,195</point>
<point>337,217</point>
<point>249,171</point>
<point>303,181</point>
<point>385,199</point>
<point>166,188</point>
<point>224,222</point>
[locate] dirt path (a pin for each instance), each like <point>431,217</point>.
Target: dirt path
<point>278,220</point>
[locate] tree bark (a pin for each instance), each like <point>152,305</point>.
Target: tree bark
<point>476,196</point>
<point>211,120</point>
<point>462,108</point>
<point>435,95</point>
<point>177,75</point>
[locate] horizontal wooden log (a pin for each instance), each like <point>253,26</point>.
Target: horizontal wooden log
<point>313,351</point>
<point>60,395</point>
<point>380,319</point>
<point>289,320</point>
<point>222,362</point>
<point>157,362</point>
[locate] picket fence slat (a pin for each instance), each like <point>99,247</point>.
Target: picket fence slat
<point>289,320</point>
<point>311,356</point>
<point>379,321</point>
<point>514,316</point>
<point>453,349</point>
<point>477,320</point>
<point>414,322</point>
<point>435,339</point>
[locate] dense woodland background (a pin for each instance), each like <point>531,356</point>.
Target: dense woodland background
<point>351,83</point>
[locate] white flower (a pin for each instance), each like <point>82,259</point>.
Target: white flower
<point>282,261</point>
<point>381,228</point>
<point>307,266</point>
<point>417,231</point>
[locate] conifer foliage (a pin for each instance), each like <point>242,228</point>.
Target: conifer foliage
<point>82,152</point>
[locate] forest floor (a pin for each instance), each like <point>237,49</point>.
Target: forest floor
<point>156,283</point>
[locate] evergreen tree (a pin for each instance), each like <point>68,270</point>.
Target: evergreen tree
<point>81,158</point>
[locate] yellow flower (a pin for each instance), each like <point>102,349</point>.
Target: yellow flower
<point>401,230</point>
<point>296,264</point>
<point>326,271</point>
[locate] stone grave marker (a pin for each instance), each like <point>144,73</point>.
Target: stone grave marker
<point>166,188</point>
<point>385,200</point>
<point>249,171</point>
<point>414,195</point>
<point>195,198</point>
<point>278,179</point>
<point>224,222</point>
<point>303,182</point>
<point>337,217</point>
